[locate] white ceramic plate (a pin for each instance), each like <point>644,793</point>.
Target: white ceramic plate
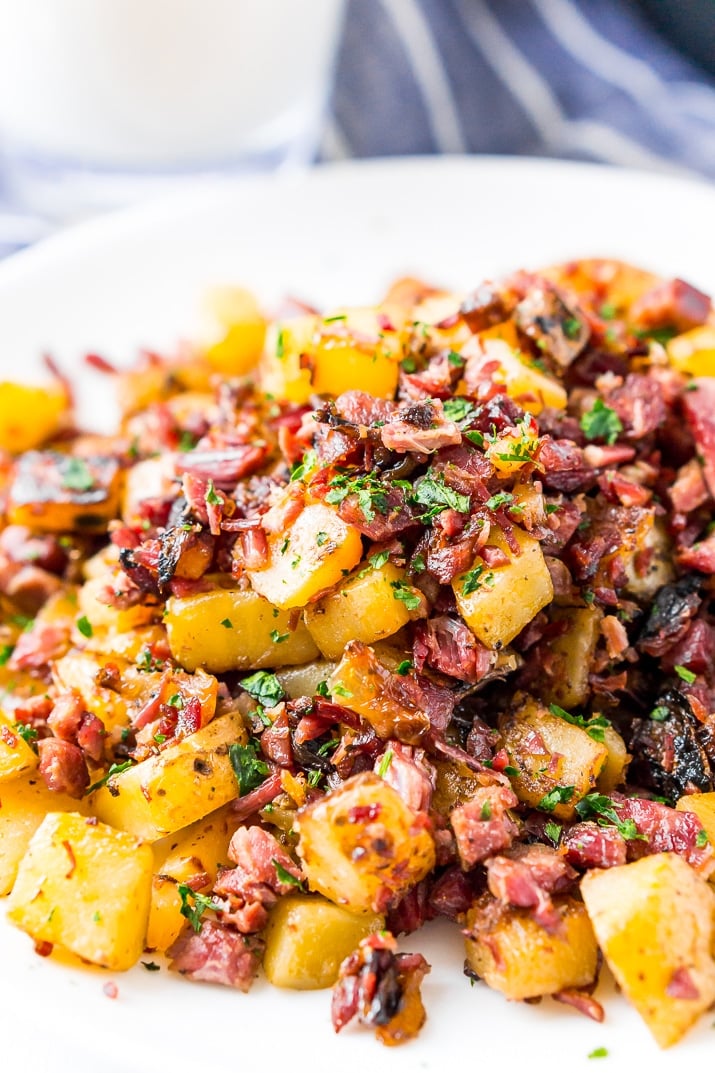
<point>338,235</point>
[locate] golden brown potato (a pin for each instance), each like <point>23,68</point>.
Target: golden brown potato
<point>361,846</point>
<point>307,938</point>
<point>654,923</point>
<point>85,888</point>
<point>29,416</point>
<point>566,684</point>
<point>557,763</point>
<point>17,757</point>
<point>515,955</point>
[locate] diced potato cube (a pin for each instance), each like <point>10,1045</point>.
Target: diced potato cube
<point>154,382</point>
<point>654,923</point>
<point>29,416</point>
<point>100,615</point>
<point>362,608</point>
<point>192,856</point>
<point>355,349</point>
<point>361,846</point>
<point>572,652</point>
<point>498,602</point>
<point>24,803</point>
<point>182,784</point>
<point>524,382</point>
<point>307,938</point>
<point>237,314</point>
<point>85,888</point>
<point>693,352</point>
<point>703,805</point>
<point>304,681</point>
<point>58,492</point>
<point>229,629</point>
<point>17,757</point>
<point>307,558</point>
<point>366,685</point>
<point>555,759</point>
<point>613,773</point>
<point>515,955</point>
<point>282,374</point>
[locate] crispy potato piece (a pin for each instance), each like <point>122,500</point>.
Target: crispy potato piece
<point>501,600</point>
<point>228,629</point>
<point>57,492</point>
<point>362,608</point>
<point>654,923</point>
<point>307,557</point>
<point>551,756</point>
<point>307,938</point>
<point>572,651</point>
<point>24,803</point>
<point>180,785</point>
<point>192,856</point>
<point>29,416</point>
<point>613,772</point>
<point>693,352</point>
<point>303,681</point>
<point>361,846</point>
<point>101,616</point>
<point>16,756</point>
<point>236,317</point>
<point>365,683</point>
<point>85,888</point>
<point>703,805</point>
<point>515,955</point>
<point>524,382</point>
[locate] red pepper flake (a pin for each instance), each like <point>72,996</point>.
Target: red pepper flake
<point>8,737</point>
<point>43,949</point>
<point>73,859</point>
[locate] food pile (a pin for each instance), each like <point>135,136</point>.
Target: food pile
<point>369,616</point>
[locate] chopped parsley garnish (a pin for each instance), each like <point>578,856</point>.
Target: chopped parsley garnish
<point>321,690</point>
<point>337,317</point>
<point>26,732</point>
<point>339,690</point>
<point>701,839</point>
<point>404,667</point>
<point>599,1052</point>
<point>194,905</point>
<point>250,771</point>
<point>660,713</point>
<point>418,564</point>
<point>378,559</point>
<point>176,701</point>
<point>76,475</point>
<point>456,359</point>
<point>187,441</point>
<point>151,966</point>
<point>571,327</point>
<point>369,490</point>
<point>687,676</point>
<point>601,423</point>
<point>434,493</point>
<point>409,365</point>
<point>600,808</point>
<point>560,795</point>
<point>385,761</point>
<point>265,688</point>
<point>486,811</point>
<point>226,623</point>
<point>278,638</point>
<point>280,343</point>
<point>607,311</point>
<point>85,626</point>
<point>407,595</point>
<point>475,436</point>
<point>284,875</point>
<point>553,831</point>
<point>212,496</point>
<point>300,469</point>
<point>459,409</point>
<point>501,499</point>
<point>115,769</point>
<point>5,652</point>
<point>475,578</point>
<point>595,727</point>
<point>321,538</point>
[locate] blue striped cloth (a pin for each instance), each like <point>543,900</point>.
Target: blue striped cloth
<point>577,79</point>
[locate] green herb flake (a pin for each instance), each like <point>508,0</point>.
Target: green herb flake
<point>572,327</point>
<point>501,499</point>
<point>284,875</point>
<point>280,343</point>
<point>321,690</point>
<point>159,738</point>
<point>301,469</point>
<point>456,359</point>
<point>115,769</point>
<point>599,1052</point>
<point>85,626</point>
<point>553,830</point>
<point>433,493</point>
<point>385,761</point>
<point>151,966</point>
<point>409,365</point>
<point>601,423</point>
<point>368,489</point>
<point>249,769</point>
<point>486,811</point>
<point>595,726</point>
<point>5,652</point>
<point>76,475</point>
<point>404,667</point>
<point>601,808</point>
<point>211,496</point>
<point>193,906</point>
<point>701,839</point>
<point>378,559</point>
<point>176,701</point>
<point>687,676</point>
<point>339,690</point>
<point>660,713</point>
<point>459,409</point>
<point>278,638</point>
<point>475,578</point>
<point>607,311</point>
<point>407,595</point>
<point>511,771</point>
<point>560,795</point>
<point>226,623</point>
<point>321,538</point>
<point>475,436</point>
<point>265,688</point>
